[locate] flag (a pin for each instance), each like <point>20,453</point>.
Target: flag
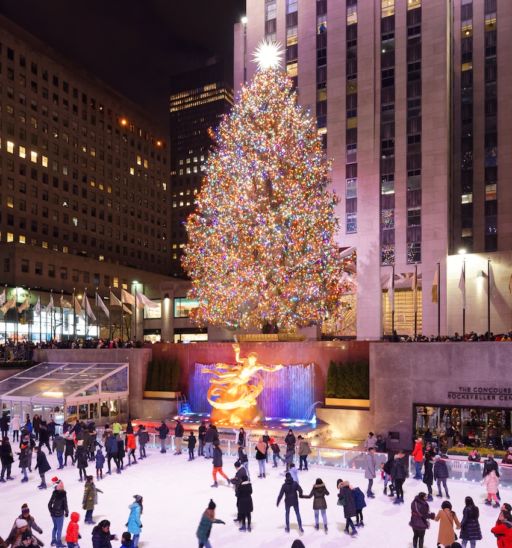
<point>11,303</point>
<point>143,301</point>
<point>101,304</point>
<point>37,307</point>
<point>391,290</point>
<point>64,303</point>
<point>491,281</point>
<point>114,301</point>
<point>88,309</point>
<point>126,309</point>
<point>126,297</point>
<point>78,308</point>
<point>50,305</point>
<point>3,298</point>
<point>24,305</point>
<point>462,285</point>
<point>435,287</point>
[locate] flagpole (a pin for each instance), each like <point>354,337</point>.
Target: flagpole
<point>488,297</point>
<point>74,315</point>
<point>135,326</point>
<point>393,301</point>
<point>109,313</point>
<point>415,301</point>
<point>28,322</point>
<point>439,300</point>
<point>17,313</point>
<point>464,299</point>
<point>85,315</point>
<point>5,321</point>
<point>62,315</point>
<point>51,315</point>
<point>122,317</point>
<point>98,313</point>
<point>40,320</point>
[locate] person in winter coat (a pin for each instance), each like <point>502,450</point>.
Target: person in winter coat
<point>417,455</point>
<point>15,425</point>
<point>24,460</point>
<point>21,535</point>
<point>44,436</point>
<point>81,460</point>
<point>469,525</point>
<point>178,437</point>
<point>200,437</point>
<point>371,441</point>
<point>209,438</point>
<point>4,424</point>
<point>126,540</point>
<point>490,465</point>
<point>70,449</point>
<point>191,445</point>
<point>492,482</point>
<point>441,474</point>
<point>290,440</point>
<point>304,451</point>
<point>447,521</point>
<point>73,530</point>
<point>243,459</point>
<point>58,507</point>
<point>90,499</point>
<point>241,438</point>
<point>131,445</point>
<point>42,466</point>
<point>59,445</point>
<point>121,453</point>
<point>31,525</point>
<point>134,524</point>
<point>6,459</point>
<point>370,471</point>
<point>244,503</point>
<point>346,499</point>
<point>507,459</point>
<point>503,530</point>
<point>318,493</point>
<point>291,491</point>
<point>100,463</point>
<point>360,505</point>
<point>399,475</point>
<point>101,535</point>
<point>261,455</point>
<point>162,430</point>
<point>217,464</point>
<point>143,436</point>
<point>276,452</point>
<point>428,473</point>
<point>386,469</point>
<point>420,516</point>
<point>205,525</point>
<point>111,449</point>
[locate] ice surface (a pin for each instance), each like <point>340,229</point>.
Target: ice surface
<point>176,492</point>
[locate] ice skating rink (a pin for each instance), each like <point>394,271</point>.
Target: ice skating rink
<point>176,492</point>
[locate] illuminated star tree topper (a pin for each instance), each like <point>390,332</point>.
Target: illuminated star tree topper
<point>261,247</point>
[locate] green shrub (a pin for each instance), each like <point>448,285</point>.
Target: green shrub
<point>330,384</point>
<point>484,451</point>
<point>163,376</point>
<point>349,380</point>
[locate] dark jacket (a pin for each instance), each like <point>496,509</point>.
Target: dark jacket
<point>291,491</point>
<point>241,439</point>
<point>191,441</point>
<point>318,493</point>
<point>290,440</point>
<point>101,539</point>
<point>111,446</point>
<point>100,460</point>
<point>217,457</point>
<point>25,457</point>
<point>70,447</point>
<point>242,455</point>
<point>42,464</point>
<point>260,455</point>
<point>143,437</point>
<point>162,430</point>
<point>359,498</point>
<point>470,526</point>
<point>6,456</point>
<point>244,498</point>
<point>399,468</point>
<point>58,504</point>
<point>275,448</point>
<point>420,514</point>
<point>59,443</point>
<point>202,432</point>
<point>120,449</point>
<point>489,466</point>
<point>178,431</point>
<point>346,499</point>
<point>428,470</point>
<point>81,457</point>
<point>440,470</point>
<point>210,435</point>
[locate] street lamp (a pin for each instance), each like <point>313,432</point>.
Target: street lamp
<point>243,20</point>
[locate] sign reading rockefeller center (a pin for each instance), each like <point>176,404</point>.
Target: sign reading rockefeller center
<point>481,393</point>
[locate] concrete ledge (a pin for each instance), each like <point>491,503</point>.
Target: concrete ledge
<point>161,395</point>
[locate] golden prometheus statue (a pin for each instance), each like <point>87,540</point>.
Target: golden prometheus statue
<point>234,389</point>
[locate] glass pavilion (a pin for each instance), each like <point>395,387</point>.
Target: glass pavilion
<point>95,392</point>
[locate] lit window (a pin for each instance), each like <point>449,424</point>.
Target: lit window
<point>413,4</point>
<point>75,221</point>
<point>10,147</point>
<point>101,258</point>
<point>44,161</point>
<point>132,171</point>
<point>139,160</point>
<point>44,244</point>
<point>146,164</point>
<point>10,237</point>
<point>21,239</point>
<point>65,249</point>
<point>115,281</point>
<point>33,156</point>
<point>388,7</point>
<point>490,192</point>
<point>466,198</point>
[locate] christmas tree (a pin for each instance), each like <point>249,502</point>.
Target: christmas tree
<point>261,245</point>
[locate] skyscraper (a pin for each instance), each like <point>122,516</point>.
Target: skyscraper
<point>406,95</point>
<point>198,101</point>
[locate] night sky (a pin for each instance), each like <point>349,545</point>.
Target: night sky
<point>133,45</point>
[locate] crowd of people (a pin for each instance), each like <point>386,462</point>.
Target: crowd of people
<point>117,447</point>
<point>472,336</point>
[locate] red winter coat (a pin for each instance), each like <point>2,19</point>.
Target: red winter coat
<point>72,530</point>
<point>503,535</point>
<point>130,441</point>
<point>417,452</point>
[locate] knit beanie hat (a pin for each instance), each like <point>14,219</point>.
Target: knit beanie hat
<point>211,505</point>
<point>25,509</point>
<point>21,523</point>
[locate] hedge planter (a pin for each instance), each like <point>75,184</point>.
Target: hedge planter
<point>347,403</point>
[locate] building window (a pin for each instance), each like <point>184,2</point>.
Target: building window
<point>183,307</point>
<point>351,227</point>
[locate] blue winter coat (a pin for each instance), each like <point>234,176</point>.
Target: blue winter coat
<point>134,525</point>
<point>359,498</point>
<point>100,460</point>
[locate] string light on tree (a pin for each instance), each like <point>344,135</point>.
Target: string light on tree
<point>261,247</point>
